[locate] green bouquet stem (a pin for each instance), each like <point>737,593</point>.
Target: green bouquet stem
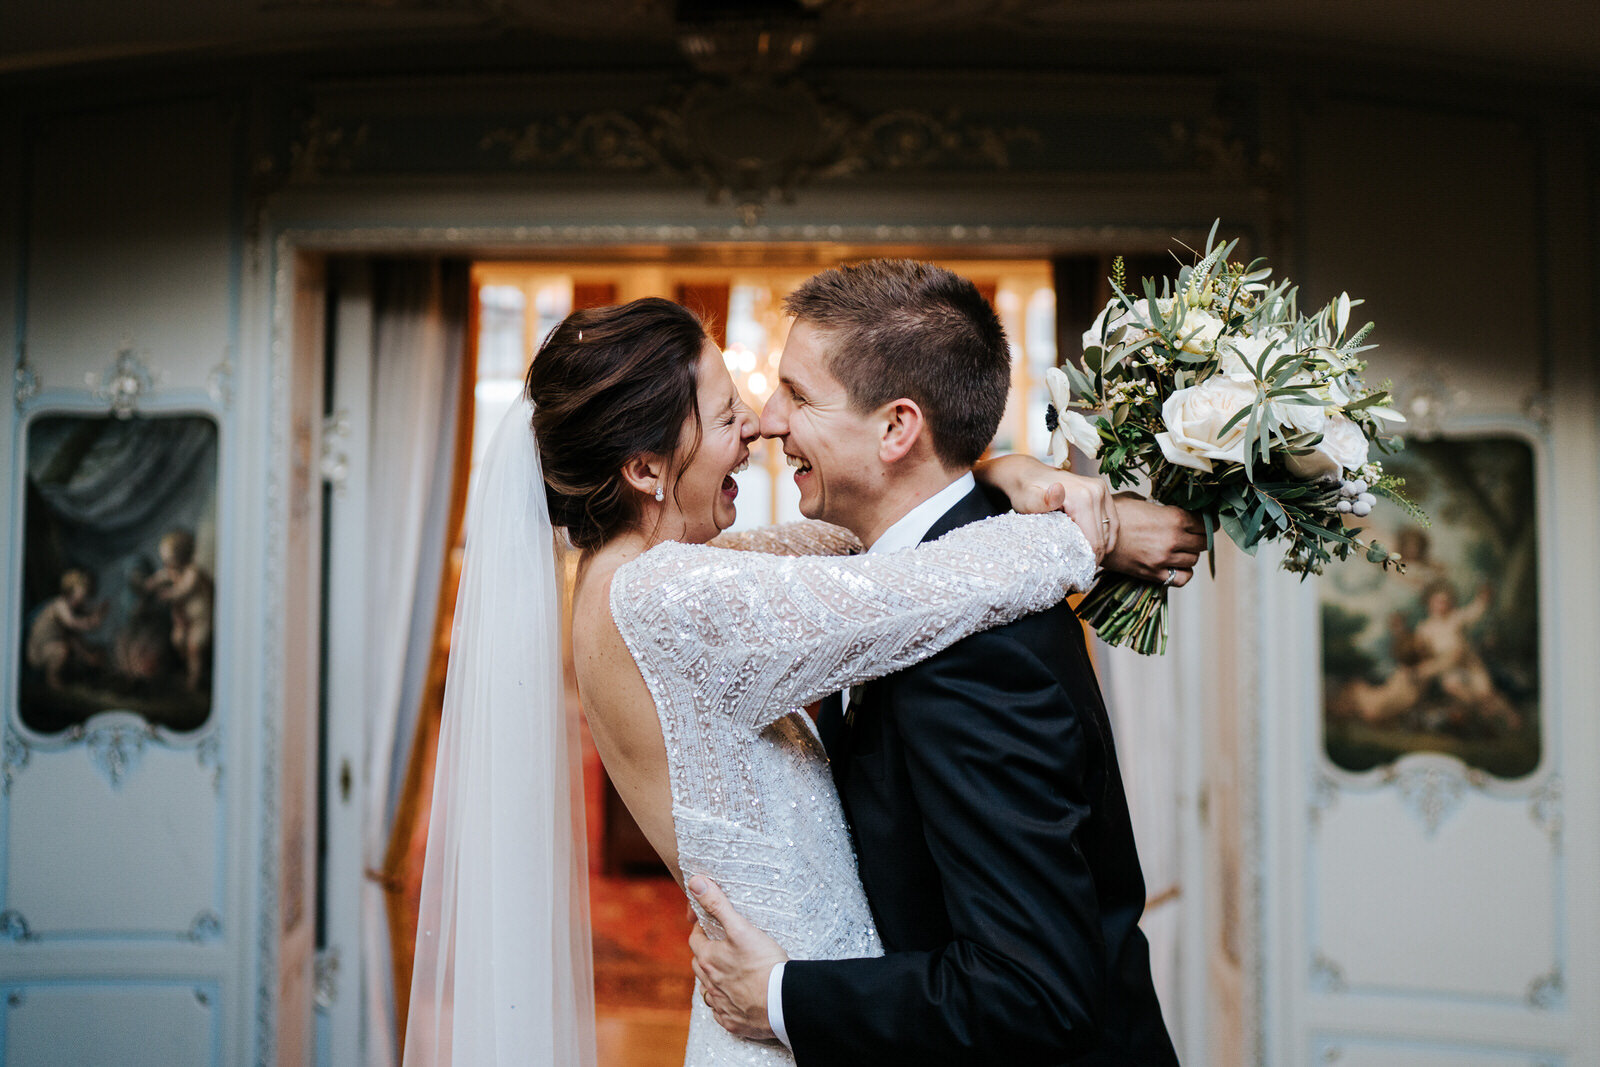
<point>1128,612</point>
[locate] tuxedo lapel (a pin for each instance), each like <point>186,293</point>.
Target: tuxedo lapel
<point>834,726</point>
<point>830,725</point>
<point>970,508</point>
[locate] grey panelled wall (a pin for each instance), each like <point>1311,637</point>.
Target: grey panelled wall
<point>130,855</point>
<point>145,912</point>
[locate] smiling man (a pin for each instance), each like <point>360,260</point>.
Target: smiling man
<point>981,785</point>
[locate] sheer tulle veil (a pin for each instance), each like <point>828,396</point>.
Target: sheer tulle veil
<point>504,970</point>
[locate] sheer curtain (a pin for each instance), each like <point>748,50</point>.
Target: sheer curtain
<point>1141,695</point>
<point>418,364</point>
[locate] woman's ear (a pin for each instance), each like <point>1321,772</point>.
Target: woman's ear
<point>901,425</point>
<point>645,473</point>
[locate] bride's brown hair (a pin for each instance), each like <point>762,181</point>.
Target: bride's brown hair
<point>609,384</point>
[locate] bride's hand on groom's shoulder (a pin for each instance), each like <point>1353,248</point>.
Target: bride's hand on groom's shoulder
<point>1155,540</point>
<point>734,971</point>
<point>1034,488</point>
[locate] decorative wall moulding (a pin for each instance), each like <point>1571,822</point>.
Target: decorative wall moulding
<point>1547,991</point>
<point>14,927</point>
<point>750,144</point>
<point>13,758</point>
<point>219,383</point>
<point>24,384</point>
<point>1324,795</point>
<point>1326,975</point>
<point>124,383</point>
<point>206,927</point>
<point>1544,807</point>
<point>115,742</point>
<point>1432,788</point>
<point>751,141</point>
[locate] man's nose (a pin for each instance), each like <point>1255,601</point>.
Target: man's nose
<point>771,422</point>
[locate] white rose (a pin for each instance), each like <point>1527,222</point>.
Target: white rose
<point>1199,330</point>
<point>1297,416</point>
<point>1195,417</point>
<point>1071,428</point>
<point>1343,448</point>
<point>1125,327</point>
<point>1238,356</point>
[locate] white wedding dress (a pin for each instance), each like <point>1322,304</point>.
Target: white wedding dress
<point>733,644</point>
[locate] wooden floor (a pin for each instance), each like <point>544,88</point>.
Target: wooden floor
<point>642,983</point>
<point>641,1037</point>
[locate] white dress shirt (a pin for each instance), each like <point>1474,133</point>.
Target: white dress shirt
<point>907,532</point>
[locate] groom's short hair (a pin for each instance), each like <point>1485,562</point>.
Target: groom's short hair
<point>901,328</point>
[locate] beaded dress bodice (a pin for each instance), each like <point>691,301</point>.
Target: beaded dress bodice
<point>734,639</point>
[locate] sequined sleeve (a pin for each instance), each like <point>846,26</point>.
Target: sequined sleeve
<point>808,537</point>
<point>755,636</point>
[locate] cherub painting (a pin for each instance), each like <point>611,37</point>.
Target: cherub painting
<point>1446,658</point>
<point>119,547</point>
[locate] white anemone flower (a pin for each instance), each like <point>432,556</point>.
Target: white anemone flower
<point>1067,427</point>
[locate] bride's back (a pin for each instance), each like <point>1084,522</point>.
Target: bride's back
<point>618,394</point>
<point>621,714</point>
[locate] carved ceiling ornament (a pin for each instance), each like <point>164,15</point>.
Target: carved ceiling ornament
<point>750,142</point>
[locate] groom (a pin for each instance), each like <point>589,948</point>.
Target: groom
<point>981,785</point>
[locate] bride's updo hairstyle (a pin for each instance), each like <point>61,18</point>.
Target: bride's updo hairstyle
<point>609,384</point>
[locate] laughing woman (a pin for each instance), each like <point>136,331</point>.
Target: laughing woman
<point>696,652</point>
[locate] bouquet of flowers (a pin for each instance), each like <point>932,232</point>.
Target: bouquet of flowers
<point>1233,405</point>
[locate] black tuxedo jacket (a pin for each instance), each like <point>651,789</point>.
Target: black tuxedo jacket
<point>993,839</point>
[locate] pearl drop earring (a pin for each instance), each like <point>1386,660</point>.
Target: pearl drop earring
<point>661,494</point>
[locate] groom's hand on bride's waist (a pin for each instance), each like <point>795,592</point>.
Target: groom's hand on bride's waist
<point>734,971</point>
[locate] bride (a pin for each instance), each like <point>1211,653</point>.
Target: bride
<point>695,653</point>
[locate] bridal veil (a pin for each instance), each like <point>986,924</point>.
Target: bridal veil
<point>504,970</point>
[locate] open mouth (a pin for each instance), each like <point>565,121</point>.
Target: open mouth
<point>801,466</point>
<point>730,488</point>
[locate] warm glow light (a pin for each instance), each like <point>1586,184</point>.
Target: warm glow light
<point>758,384</point>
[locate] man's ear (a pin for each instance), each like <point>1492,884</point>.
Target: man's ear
<point>645,472</point>
<point>902,427</point>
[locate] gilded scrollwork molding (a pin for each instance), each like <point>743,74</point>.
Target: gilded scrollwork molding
<point>1211,145</point>
<point>205,927</point>
<point>1547,990</point>
<point>1433,787</point>
<point>13,758</point>
<point>1429,399</point>
<point>1326,975</point>
<point>1545,808</point>
<point>1324,795</point>
<point>219,383</point>
<point>123,383</point>
<point>14,927</point>
<point>209,754</point>
<point>115,742</point>
<point>25,383</point>
<point>754,141</point>
<point>323,147</point>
